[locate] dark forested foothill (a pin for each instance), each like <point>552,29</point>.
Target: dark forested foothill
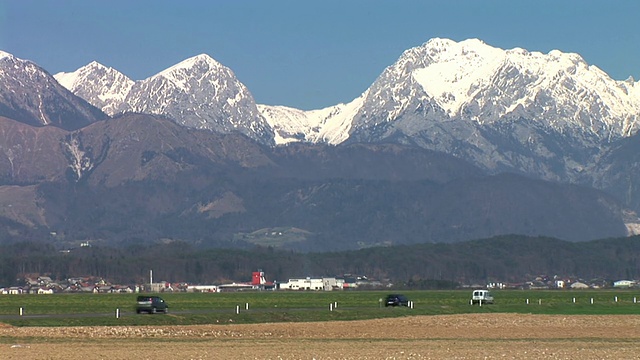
<point>140,179</point>
<point>509,259</point>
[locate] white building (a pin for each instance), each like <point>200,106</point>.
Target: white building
<point>202,288</point>
<point>315,284</point>
<point>624,284</point>
<point>12,291</point>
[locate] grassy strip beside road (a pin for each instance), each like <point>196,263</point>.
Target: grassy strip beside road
<point>221,308</point>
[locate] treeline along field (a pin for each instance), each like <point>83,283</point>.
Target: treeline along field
<point>512,259</point>
<point>273,306</point>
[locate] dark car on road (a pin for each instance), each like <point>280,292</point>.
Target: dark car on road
<point>396,300</point>
<point>151,304</point>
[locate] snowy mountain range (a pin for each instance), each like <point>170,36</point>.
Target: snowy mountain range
<point>547,115</point>
<point>541,114</point>
<point>198,93</point>
<point>419,156</point>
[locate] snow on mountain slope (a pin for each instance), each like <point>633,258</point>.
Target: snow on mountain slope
<point>29,94</point>
<point>470,77</point>
<point>472,81</point>
<point>103,87</point>
<point>200,93</point>
<point>505,110</point>
<point>329,125</point>
<point>450,77</point>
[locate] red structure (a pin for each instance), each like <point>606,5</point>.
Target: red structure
<point>258,278</point>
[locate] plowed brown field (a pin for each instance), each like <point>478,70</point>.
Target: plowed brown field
<point>486,336</point>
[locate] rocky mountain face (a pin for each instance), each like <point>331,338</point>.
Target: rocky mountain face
<point>546,115</point>
<point>103,87</point>
<point>197,93</point>
<point>31,95</point>
<point>617,171</point>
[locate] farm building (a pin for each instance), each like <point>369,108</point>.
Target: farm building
<point>316,284</point>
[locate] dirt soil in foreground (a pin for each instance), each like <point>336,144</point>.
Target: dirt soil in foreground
<point>477,336</point>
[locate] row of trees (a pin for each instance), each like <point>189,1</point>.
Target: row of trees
<point>505,259</point>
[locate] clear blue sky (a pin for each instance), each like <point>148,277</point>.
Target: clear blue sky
<point>302,53</point>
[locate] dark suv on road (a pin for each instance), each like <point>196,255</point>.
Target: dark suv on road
<point>396,300</point>
<point>151,304</point>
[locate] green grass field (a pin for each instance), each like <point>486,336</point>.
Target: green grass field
<point>224,308</point>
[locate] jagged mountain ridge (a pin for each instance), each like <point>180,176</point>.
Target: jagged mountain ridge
<point>198,92</point>
<point>31,95</point>
<point>473,81</point>
<point>546,115</point>
<point>201,93</point>
<point>103,87</point>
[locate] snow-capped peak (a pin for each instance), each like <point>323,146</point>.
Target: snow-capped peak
<point>180,73</point>
<point>455,69</point>
<point>501,109</point>
<point>102,86</point>
<point>4,54</point>
<point>193,61</point>
<point>201,93</point>
<point>72,80</point>
<point>454,72</point>
<point>478,82</point>
<point>31,95</point>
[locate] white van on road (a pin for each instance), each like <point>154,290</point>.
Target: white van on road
<point>481,297</point>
